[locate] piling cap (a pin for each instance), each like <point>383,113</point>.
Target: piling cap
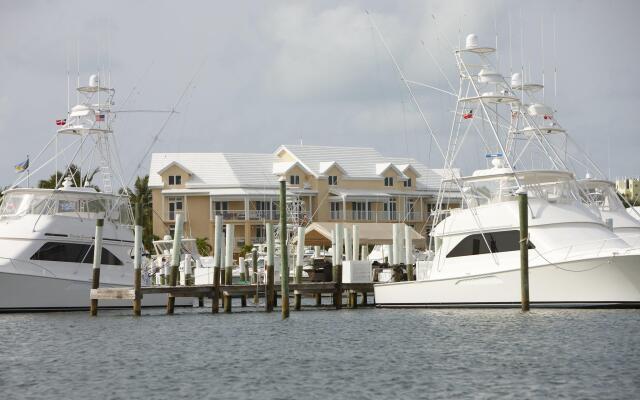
<point>472,41</point>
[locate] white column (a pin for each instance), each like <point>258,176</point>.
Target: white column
<point>300,254</point>
<point>339,242</point>
<point>246,208</point>
<point>401,243</point>
<point>348,248</point>
<point>363,252</point>
<point>393,258</point>
<point>217,241</point>
<point>230,245</point>
<point>408,245</point>
<point>316,251</point>
<point>270,244</point>
<point>356,241</point>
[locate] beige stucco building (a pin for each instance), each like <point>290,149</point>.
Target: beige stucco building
<point>630,189</point>
<point>325,184</point>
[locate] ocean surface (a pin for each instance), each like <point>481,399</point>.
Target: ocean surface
<point>322,354</point>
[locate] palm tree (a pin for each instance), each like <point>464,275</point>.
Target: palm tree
<point>204,247</point>
<point>141,194</point>
<point>74,172</point>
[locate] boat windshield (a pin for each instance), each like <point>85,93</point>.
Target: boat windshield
<point>18,204</point>
<point>488,191</point>
<point>603,196</point>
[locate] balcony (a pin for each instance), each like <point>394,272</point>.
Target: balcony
<point>231,215</point>
<point>263,215</point>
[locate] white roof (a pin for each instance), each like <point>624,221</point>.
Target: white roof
<point>218,169</point>
<point>255,170</point>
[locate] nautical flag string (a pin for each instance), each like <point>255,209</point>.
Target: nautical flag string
<point>23,166</point>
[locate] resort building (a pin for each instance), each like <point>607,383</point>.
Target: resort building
<point>324,184</point>
<point>629,188</point>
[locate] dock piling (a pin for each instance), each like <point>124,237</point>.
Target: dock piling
<point>269,293</point>
<point>524,247</point>
<point>284,252</point>
<point>175,260</point>
<point>299,262</point>
<point>137,261</point>
<point>97,261</point>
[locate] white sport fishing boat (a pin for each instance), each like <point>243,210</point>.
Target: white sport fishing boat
<point>46,235</point>
<point>575,259</point>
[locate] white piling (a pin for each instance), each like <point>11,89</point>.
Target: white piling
<point>228,256</point>
<point>356,242</point>
<point>401,259</point>
<point>217,241</point>
<point>393,258</point>
<point>348,248</point>
<point>270,244</point>
<point>339,243</point>
<point>300,250</point>
<point>316,251</point>
<point>408,245</point>
<point>363,253</point>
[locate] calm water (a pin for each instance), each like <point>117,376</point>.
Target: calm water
<point>322,354</point>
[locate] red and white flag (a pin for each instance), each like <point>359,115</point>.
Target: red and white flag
<point>468,115</point>
<point>61,122</point>
<point>99,117</point>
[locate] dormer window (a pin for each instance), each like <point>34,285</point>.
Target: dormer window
<point>175,179</point>
<point>407,183</point>
<point>294,179</point>
<point>388,181</point>
<point>333,180</point>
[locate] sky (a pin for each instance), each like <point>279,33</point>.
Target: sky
<point>247,76</point>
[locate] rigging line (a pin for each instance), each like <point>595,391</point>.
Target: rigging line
<point>437,65</point>
<point>138,81</point>
<point>424,118</point>
<point>431,87</point>
<point>19,181</point>
<point>542,49</point>
<point>510,47</point>
<point>166,121</point>
<point>555,63</point>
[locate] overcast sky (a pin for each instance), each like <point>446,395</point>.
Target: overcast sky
<point>273,72</point>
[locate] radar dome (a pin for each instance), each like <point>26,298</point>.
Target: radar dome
<point>516,79</point>
<point>94,81</point>
<point>472,41</point>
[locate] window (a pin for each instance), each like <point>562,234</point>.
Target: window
<point>294,179</point>
<point>391,207</point>
<point>407,183</point>
<point>335,210</point>
<point>175,207</point>
<point>359,210</point>
<point>73,252</point>
<point>498,242</point>
<point>172,230</point>
<point>261,234</point>
<point>175,179</point>
<point>333,180</point>
<point>388,181</point>
<point>220,207</point>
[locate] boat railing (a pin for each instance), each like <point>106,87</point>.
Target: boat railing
<point>595,248</point>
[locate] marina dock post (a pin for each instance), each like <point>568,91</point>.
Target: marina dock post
<point>356,242</point>
<point>175,260</point>
<point>408,252</point>
<point>524,247</point>
<point>284,250</point>
<point>254,277</point>
<point>137,260</point>
<point>337,266</point>
<point>348,247</point>
<point>299,262</point>
<point>97,261</point>
<point>269,293</point>
<point>228,273</point>
<point>217,241</point>
<point>244,276</point>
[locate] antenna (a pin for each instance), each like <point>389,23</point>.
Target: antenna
<point>542,47</point>
<point>555,62</point>
<point>510,48</point>
<point>78,72</point>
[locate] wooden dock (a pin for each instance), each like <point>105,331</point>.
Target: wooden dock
<point>220,292</point>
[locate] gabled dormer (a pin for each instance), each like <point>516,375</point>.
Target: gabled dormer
<point>332,172</point>
<point>390,174</point>
<point>297,175</point>
<point>175,175</point>
<point>410,176</point>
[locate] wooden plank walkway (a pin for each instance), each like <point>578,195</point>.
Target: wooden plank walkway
<point>209,291</point>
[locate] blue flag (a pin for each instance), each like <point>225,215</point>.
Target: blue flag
<point>23,166</point>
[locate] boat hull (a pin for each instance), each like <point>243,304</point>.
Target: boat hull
<point>597,282</point>
<point>28,293</point>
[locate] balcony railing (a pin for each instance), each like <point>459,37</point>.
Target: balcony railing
<point>260,215</point>
<point>379,216</point>
<point>171,215</point>
<point>233,215</point>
